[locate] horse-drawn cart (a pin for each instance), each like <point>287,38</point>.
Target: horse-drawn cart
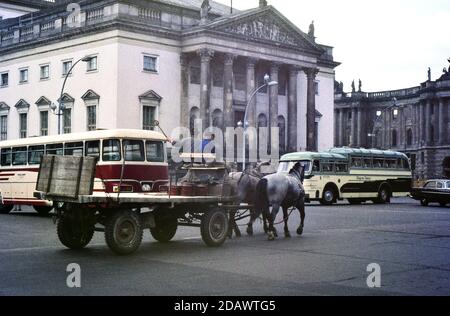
<point>122,216</point>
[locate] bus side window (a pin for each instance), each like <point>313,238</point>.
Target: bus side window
<point>35,154</point>
<point>378,163</point>
<point>133,150</point>
<point>341,168</point>
<point>368,163</point>
<point>19,156</point>
<point>316,166</point>
<point>6,157</point>
<point>73,149</point>
<point>92,149</point>
<point>406,164</point>
<point>111,150</point>
<point>155,151</point>
<point>55,149</point>
<point>357,162</point>
<point>327,167</point>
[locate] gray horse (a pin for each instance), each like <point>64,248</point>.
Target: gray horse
<point>243,186</point>
<point>282,190</point>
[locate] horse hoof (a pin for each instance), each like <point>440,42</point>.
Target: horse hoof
<point>300,231</point>
<point>287,235</point>
<point>238,235</point>
<point>271,236</point>
<point>250,232</point>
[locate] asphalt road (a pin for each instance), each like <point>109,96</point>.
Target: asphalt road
<point>410,243</point>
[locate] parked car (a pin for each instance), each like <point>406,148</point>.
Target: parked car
<point>434,191</point>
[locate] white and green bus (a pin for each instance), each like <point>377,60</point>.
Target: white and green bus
<point>358,175</point>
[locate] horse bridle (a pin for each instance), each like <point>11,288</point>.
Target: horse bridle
<point>248,174</point>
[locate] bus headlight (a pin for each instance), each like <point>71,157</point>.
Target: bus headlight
<point>146,187</point>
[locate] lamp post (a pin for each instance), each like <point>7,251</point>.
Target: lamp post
<point>379,115</point>
<point>267,83</point>
<point>61,105</point>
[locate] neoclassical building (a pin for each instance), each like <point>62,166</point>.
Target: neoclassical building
<point>170,60</point>
<point>414,121</point>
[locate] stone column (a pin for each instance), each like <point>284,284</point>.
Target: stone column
<point>205,85</point>
<point>273,91</point>
<point>336,127</point>
<point>292,110</point>
<point>251,86</point>
<point>436,120</point>
<point>360,128</point>
<point>428,122</point>
<point>442,130</point>
<point>311,109</point>
<point>341,128</point>
<point>228,87</point>
<point>353,141</point>
<point>421,123</point>
<point>389,129</point>
<point>416,108</point>
<point>184,103</point>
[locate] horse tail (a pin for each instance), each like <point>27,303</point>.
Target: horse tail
<point>261,199</point>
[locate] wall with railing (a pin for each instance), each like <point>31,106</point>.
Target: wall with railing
<point>31,27</point>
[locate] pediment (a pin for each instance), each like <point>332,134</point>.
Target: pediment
<point>22,104</point>
<point>90,95</point>
<point>150,95</point>
<point>267,25</point>
<point>43,101</point>
<point>66,98</point>
<point>4,106</point>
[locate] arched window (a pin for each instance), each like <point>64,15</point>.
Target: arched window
<point>194,115</point>
<point>262,120</point>
<point>394,138</point>
<point>217,119</point>
<point>282,135</point>
<point>409,137</point>
<point>431,132</point>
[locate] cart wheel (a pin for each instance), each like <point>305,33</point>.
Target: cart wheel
<point>123,232</point>
<point>214,228</point>
<point>165,230</point>
<point>43,210</point>
<point>6,208</point>
<point>73,234</point>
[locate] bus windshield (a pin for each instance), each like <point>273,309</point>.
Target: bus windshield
<point>286,166</point>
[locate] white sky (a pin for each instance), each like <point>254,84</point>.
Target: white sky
<point>389,44</point>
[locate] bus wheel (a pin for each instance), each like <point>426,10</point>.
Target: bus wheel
<point>214,228</point>
<point>424,202</point>
<point>43,210</point>
<point>165,229</point>
<point>383,196</point>
<point>6,208</point>
<point>123,232</point>
<point>328,197</point>
<point>73,233</point>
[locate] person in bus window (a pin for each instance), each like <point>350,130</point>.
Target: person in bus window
<point>316,166</point>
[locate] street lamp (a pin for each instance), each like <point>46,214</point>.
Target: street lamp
<point>61,106</point>
<point>267,83</point>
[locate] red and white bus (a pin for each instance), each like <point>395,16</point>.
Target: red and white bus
<point>135,160</point>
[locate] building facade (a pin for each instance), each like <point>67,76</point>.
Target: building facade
<point>172,61</point>
<point>414,121</point>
